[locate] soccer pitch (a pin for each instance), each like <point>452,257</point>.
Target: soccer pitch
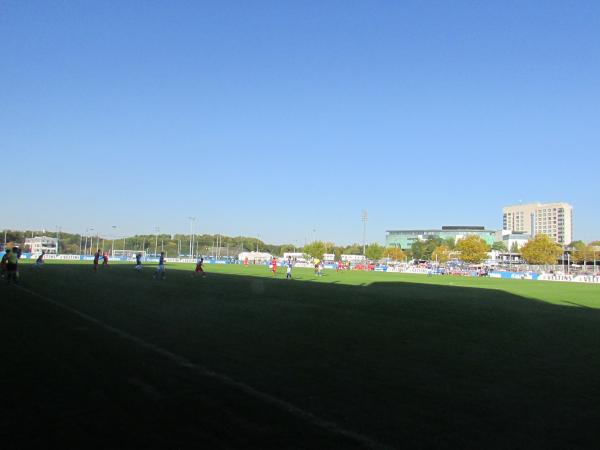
<point>243,359</point>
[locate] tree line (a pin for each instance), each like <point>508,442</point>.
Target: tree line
<point>472,249</point>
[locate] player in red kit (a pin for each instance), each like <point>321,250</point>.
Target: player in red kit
<point>274,265</point>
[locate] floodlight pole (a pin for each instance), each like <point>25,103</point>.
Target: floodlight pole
<point>192,219</point>
<point>112,247</point>
<point>364,218</point>
<point>156,240</point>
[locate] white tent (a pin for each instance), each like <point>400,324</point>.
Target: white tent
<point>255,257</point>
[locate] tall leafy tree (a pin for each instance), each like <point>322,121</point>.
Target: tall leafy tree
<point>582,253</point>
<point>424,249</point>
<point>354,249</point>
<point>450,243</point>
<point>374,251</point>
<point>394,253</point>
<point>499,246</point>
<point>541,250</point>
<point>441,254</point>
<point>514,248</point>
<point>472,249</point>
<point>315,249</point>
<point>418,249</point>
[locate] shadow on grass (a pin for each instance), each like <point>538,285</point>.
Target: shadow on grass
<point>411,364</point>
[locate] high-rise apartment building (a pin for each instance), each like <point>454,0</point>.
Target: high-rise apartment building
<point>553,219</point>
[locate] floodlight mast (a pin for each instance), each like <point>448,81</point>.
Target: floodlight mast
<point>112,247</point>
<point>364,218</point>
<point>156,231</point>
<point>192,219</point>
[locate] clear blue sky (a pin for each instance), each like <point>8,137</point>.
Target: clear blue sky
<point>277,118</point>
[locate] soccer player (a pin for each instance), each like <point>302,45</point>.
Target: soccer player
<point>288,271</point>
<point>4,262</point>
<point>274,265</point>
<point>39,262</point>
<point>12,266</point>
<point>105,259</point>
<point>199,269</point>
<point>317,262</point>
<point>138,262</point>
<point>96,259</point>
<point>161,267</point>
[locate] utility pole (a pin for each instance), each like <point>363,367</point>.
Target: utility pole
<point>364,218</point>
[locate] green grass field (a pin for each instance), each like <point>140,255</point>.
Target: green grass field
<point>241,359</point>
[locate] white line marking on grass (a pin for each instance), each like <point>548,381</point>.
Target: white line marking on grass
<point>226,379</point>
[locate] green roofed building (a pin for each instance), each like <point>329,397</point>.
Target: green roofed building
<point>405,238</point>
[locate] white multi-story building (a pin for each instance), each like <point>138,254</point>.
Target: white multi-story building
<point>41,244</point>
<point>552,219</point>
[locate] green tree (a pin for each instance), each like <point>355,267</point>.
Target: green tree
<point>418,249</point>
<point>354,249</point>
<point>338,251</point>
<point>499,246</point>
<point>472,249</point>
<point>450,243</point>
<point>582,253</point>
<point>394,253</point>
<point>374,251</point>
<point>424,249</point>
<point>441,254</point>
<point>514,248</point>
<point>315,249</point>
<point>541,250</point>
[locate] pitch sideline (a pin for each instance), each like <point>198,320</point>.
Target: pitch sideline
<point>204,371</point>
